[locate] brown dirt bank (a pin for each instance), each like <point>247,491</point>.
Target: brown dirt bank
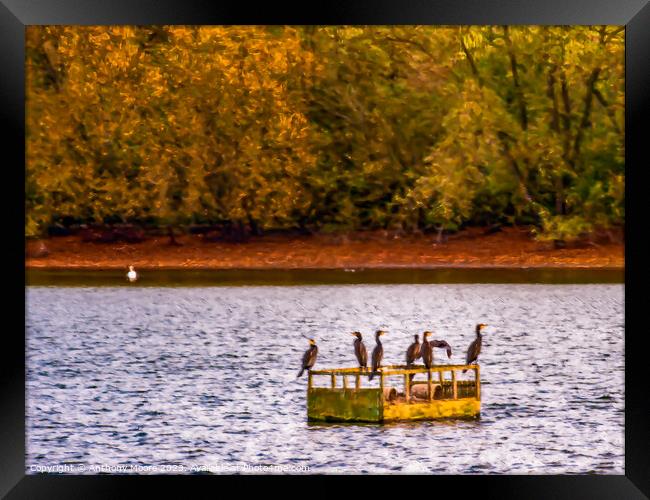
<point>510,248</point>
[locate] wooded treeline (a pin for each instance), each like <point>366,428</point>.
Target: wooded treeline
<point>326,128</point>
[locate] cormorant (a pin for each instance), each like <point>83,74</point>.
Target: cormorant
<point>309,358</point>
<point>413,352</point>
<point>426,351</point>
<point>442,344</point>
<point>360,350</point>
<point>131,275</point>
<point>475,347</point>
<point>377,353</point>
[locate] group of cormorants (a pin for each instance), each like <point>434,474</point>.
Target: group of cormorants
<point>414,352</point>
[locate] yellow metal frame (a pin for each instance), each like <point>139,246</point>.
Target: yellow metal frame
<point>353,403</point>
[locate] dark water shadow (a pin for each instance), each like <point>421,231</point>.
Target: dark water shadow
<point>289,277</point>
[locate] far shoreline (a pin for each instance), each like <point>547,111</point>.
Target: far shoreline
<point>509,249</point>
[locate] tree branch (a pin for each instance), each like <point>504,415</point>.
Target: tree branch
<point>418,45</point>
<point>503,137</point>
<point>608,109</point>
<point>470,59</point>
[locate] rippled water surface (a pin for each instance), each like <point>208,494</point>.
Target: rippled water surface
<point>205,376</point>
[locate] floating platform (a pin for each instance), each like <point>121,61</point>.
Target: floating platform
<point>439,396</point>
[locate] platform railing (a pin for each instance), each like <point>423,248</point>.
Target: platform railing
<point>401,370</point>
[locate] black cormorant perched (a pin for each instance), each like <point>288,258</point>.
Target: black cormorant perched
<point>426,350</point>
<point>413,352</point>
<point>442,344</point>
<point>377,353</point>
<point>360,350</point>
<point>475,347</point>
<point>309,358</point>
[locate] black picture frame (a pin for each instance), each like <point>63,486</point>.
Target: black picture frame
<point>16,14</point>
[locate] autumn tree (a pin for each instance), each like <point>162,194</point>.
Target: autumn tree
<point>413,128</point>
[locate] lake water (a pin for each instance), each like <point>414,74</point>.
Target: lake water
<point>173,379</point>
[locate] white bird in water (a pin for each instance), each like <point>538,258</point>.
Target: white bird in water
<point>132,275</point>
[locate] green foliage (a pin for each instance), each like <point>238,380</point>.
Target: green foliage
<point>564,228</point>
<point>333,128</point>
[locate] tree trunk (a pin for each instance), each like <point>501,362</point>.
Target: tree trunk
<point>555,127</point>
<point>440,230</point>
<point>172,237</point>
<point>586,113</point>
<point>559,195</point>
<point>255,228</point>
<point>523,113</point>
